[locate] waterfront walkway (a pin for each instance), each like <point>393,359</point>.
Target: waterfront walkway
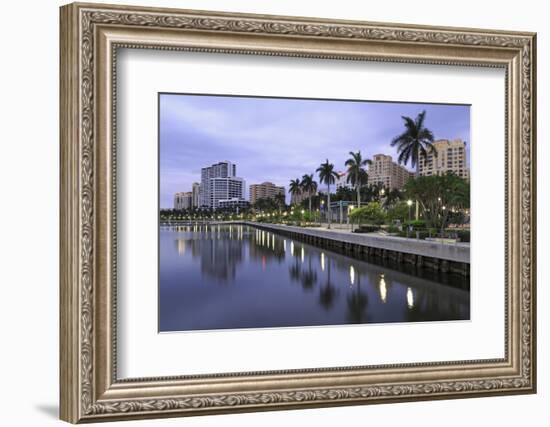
<point>454,252</point>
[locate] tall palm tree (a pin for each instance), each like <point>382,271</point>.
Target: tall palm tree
<point>328,175</point>
<point>357,175</point>
<point>280,201</point>
<point>415,142</point>
<point>309,186</point>
<point>295,187</point>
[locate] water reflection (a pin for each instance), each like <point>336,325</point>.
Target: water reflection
<point>232,276</point>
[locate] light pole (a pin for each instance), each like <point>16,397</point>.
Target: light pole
<point>409,204</point>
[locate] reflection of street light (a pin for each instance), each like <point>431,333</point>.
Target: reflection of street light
<point>410,298</point>
<point>351,274</point>
<point>323,261</point>
<point>383,289</point>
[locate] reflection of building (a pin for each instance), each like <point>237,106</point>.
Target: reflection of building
<point>196,194</point>
<point>220,255</point>
<point>183,200</point>
<point>234,204</point>
<point>265,190</point>
<point>383,170</point>
<point>219,182</point>
<point>450,157</point>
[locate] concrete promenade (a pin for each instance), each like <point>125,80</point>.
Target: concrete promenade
<point>454,252</point>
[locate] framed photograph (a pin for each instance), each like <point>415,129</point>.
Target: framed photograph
<point>265,212</point>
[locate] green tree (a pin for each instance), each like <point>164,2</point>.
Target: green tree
<point>343,193</point>
<point>309,186</point>
<point>392,197</point>
<point>371,213</point>
<point>439,196</point>
<point>398,211</point>
<point>357,175</point>
<point>295,187</point>
<point>372,192</point>
<point>328,175</point>
<point>279,199</point>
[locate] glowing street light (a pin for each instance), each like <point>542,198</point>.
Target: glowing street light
<point>410,298</point>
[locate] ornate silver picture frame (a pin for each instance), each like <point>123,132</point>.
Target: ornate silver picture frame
<point>91,36</point>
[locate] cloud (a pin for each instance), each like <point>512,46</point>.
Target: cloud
<point>275,139</point>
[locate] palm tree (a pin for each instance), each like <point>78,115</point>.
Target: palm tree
<point>415,142</point>
<point>308,186</point>
<point>327,175</point>
<point>295,187</point>
<point>280,201</point>
<point>357,175</point>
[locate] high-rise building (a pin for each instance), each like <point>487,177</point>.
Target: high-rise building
<point>183,200</point>
<point>341,181</point>
<point>296,199</point>
<point>219,182</point>
<point>449,156</point>
<point>235,204</point>
<point>196,190</point>
<point>383,170</point>
<point>265,190</point>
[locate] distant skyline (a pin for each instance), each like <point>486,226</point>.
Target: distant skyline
<point>279,139</point>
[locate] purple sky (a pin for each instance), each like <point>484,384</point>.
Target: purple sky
<point>276,139</point>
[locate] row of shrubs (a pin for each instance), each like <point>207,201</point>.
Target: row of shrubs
<point>417,231</point>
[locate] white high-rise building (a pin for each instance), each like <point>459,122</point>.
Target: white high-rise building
<point>342,181</point>
<point>219,182</point>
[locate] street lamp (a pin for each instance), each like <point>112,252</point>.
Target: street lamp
<point>409,204</point>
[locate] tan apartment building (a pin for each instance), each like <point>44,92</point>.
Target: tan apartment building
<point>383,170</point>
<point>450,157</point>
<point>265,190</point>
<point>183,200</point>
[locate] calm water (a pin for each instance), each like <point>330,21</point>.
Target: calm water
<point>233,276</point>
